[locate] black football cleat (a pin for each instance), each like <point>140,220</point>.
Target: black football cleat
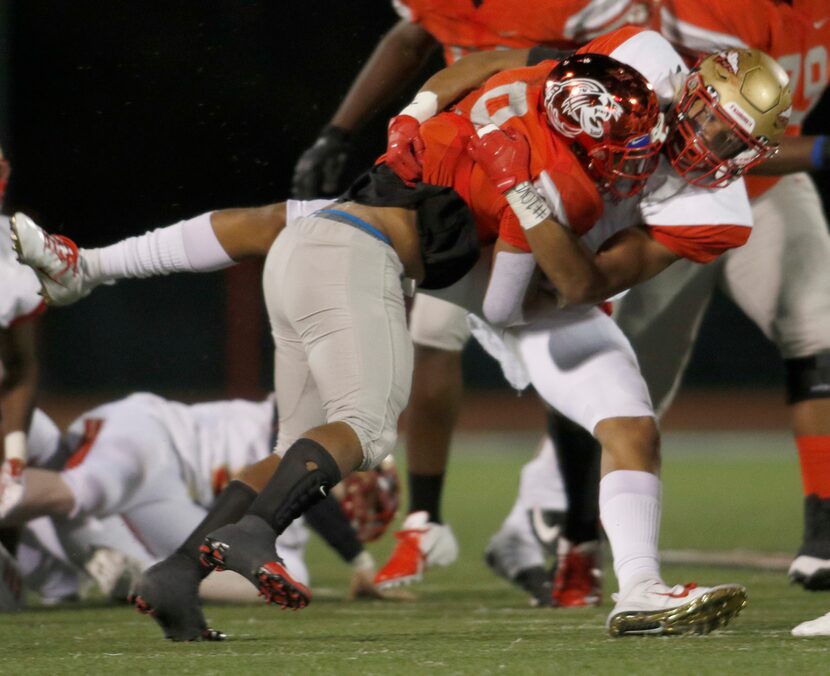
<point>169,593</point>
<point>248,548</point>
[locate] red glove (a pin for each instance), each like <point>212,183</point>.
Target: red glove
<point>405,148</point>
<point>503,155</point>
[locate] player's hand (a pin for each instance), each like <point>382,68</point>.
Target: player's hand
<point>503,155</point>
<point>11,486</point>
<point>319,170</point>
<point>405,148</point>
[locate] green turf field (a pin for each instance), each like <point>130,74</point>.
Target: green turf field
<point>722,492</point>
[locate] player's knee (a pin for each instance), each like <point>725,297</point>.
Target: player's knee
<point>377,437</point>
<point>808,377</point>
<point>90,494</point>
<point>632,443</point>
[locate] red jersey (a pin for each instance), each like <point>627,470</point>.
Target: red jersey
<point>464,26</point>
<point>511,100</point>
<point>797,36</point>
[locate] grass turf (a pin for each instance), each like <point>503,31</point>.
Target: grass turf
<point>722,492</point>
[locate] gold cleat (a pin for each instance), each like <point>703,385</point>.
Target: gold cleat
<point>674,611</point>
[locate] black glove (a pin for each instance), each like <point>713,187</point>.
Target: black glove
<point>319,168</point>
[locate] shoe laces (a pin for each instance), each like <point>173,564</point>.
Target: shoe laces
<point>66,252</point>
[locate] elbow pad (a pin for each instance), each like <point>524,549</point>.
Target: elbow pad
<point>509,279</point>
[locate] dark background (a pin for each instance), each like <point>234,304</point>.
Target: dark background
<point>127,115</point>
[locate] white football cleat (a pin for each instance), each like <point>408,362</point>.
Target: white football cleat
<point>818,627</point>
<point>114,572</point>
<point>55,260</point>
<point>421,544</point>
<point>652,607</point>
<point>810,572</point>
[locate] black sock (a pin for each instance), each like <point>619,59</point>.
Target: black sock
<point>331,524</point>
<point>425,494</point>
<point>305,475</point>
<point>229,507</point>
<point>578,454</point>
<point>10,538</point>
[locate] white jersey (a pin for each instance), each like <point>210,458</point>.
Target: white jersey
<point>212,441</point>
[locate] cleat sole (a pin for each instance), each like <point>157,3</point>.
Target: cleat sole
<point>277,586</point>
<point>708,612</point>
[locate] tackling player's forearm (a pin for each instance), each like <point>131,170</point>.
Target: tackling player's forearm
<point>397,58</point>
<point>470,72</point>
<point>796,153</point>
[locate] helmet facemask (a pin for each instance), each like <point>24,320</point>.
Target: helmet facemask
<point>731,111</point>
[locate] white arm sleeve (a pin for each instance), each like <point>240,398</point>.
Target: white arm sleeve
<point>509,279</point>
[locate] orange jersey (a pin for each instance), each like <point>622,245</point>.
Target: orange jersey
<point>511,100</point>
<point>797,36</point>
<point>464,26</point>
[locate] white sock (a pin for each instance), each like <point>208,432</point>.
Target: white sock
<point>629,506</point>
<point>186,246</point>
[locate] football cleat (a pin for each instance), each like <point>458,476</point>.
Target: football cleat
<point>421,544</point>
<point>818,627</point>
<point>247,548</point>
<point>578,580</point>
<point>55,260</point>
<point>517,557</point>
<point>810,572</point>
<point>169,593</point>
<point>653,608</point>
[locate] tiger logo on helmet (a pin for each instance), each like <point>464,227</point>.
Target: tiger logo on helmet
<point>611,114</point>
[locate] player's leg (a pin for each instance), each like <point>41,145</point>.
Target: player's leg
<point>581,364</point>
<point>439,331</point>
<point>334,297</point>
<point>204,243</point>
<point>781,280</point>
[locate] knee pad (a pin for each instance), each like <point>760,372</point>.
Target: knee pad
<point>808,378</point>
<point>438,324</point>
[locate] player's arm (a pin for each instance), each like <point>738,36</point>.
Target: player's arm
<point>45,494</point>
<point>397,58</point>
<point>796,153</point>
<point>578,275</point>
<point>405,148</point>
<point>17,396</point>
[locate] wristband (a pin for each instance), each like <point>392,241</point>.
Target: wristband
<point>14,444</point>
<point>423,107</point>
<point>336,134</point>
<point>527,204</point>
<point>820,154</point>
<point>363,561</point>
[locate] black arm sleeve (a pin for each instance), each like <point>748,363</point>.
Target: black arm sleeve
<point>328,520</point>
<point>538,54</point>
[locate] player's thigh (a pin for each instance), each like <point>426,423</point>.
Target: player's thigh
<point>661,318</point>
<point>781,277</point>
<point>343,299</point>
<point>581,364</point>
<point>438,324</point>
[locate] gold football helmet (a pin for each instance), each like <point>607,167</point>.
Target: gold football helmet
<point>729,115</point>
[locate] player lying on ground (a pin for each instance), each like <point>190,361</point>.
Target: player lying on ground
<point>157,465</point>
<point>578,277</point>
